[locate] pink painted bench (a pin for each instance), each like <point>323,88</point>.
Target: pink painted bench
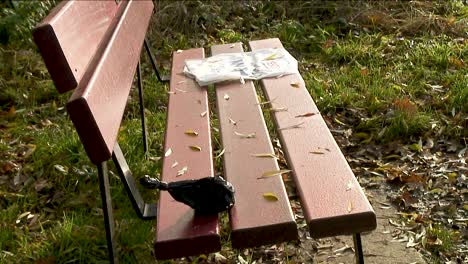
<point>98,62</point>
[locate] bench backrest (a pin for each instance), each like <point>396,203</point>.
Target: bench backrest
<point>94,46</point>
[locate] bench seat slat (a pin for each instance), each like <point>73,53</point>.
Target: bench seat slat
<point>67,53</point>
<point>333,201</point>
<point>255,221</point>
<point>179,232</point>
<point>96,107</point>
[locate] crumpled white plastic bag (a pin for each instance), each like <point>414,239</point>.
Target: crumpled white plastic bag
<point>253,65</point>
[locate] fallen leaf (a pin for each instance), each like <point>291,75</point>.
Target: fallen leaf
<point>339,122</point>
<point>316,152</point>
<point>226,97</point>
<point>61,168</point>
<point>274,173</point>
<point>271,57</point>
<point>180,90</point>
<point>349,185</point>
<point>232,121</point>
<point>179,51</point>
<point>180,82</point>
<point>264,155</point>
<point>292,126</point>
<point>174,164</point>
<point>350,206</point>
<point>306,115</point>
<point>270,196</point>
<point>195,148</point>
<point>364,71</point>
<point>250,135</point>
<point>232,46</point>
<point>203,114</point>
<point>279,109</point>
<point>295,84</point>
<point>168,152</point>
<point>182,171</point>
<point>191,133</point>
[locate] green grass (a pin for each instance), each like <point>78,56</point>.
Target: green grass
<point>385,83</point>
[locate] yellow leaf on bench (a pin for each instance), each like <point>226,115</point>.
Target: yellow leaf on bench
<point>195,148</point>
<point>270,196</point>
<point>191,133</point>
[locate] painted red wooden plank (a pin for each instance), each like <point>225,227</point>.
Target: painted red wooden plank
<point>179,231</point>
<point>333,201</point>
<point>69,37</point>
<point>96,107</point>
<point>255,221</point>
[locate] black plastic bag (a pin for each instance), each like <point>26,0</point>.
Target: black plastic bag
<point>209,195</point>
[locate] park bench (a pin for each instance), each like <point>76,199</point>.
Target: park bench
<point>93,48</point>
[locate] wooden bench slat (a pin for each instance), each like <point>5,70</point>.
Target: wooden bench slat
<point>69,37</point>
<point>179,232</point>
<point>333,201</point>
<point>255,221</point>
<point>96,107</point>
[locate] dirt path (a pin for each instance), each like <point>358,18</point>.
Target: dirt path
<point>379,246</point>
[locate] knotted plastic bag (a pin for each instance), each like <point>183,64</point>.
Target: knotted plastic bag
<point>210,195</point>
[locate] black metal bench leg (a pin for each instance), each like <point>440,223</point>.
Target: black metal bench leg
<point>142,108</point>
<point>145,211</point>
<point>107,208</point>
<point>358,248</point>
<point>153,62</point>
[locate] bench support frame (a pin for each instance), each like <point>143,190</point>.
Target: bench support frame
<point>107,209</point>
<point>140,90</point>
<point>358,248</point>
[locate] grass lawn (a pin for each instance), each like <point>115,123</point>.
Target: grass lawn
<point>386,75</point>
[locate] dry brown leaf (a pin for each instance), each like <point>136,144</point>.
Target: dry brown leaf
<point>317,152</point>
<point>191,133</point>
<point>203,114</point>
<point>264,155</point>
<point>295,84</point>
<point>270,196</point>
<point>306,115</point>
<point>226,97</point>
<point>250,135</point>
<point>174,164</point>
<point>195,148</point>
